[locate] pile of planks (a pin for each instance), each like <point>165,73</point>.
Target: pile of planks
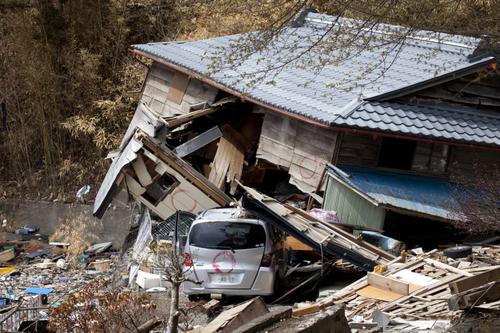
<point>428,286</point>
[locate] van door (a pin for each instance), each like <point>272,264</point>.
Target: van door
<point>227,254</point>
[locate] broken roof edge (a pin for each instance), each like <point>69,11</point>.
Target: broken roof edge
<point>109,187</point>
<point>338,174</point>
<point>341,177</point>
<point>215,84</point>
<point>443,78</point>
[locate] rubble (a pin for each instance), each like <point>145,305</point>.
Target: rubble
<point>38,278</point>
<point>421,292</point>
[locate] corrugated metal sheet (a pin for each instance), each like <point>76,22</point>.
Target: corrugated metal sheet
<point>321,95</point>
<point>435,121</point>
<point>351,208</point>
<point>425,195</point>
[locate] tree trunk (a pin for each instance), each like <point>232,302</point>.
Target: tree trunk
<point>173,319</point>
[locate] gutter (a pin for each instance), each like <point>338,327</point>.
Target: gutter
<point>217,85</point>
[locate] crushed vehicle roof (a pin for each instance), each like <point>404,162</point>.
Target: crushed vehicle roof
<point>322,95</point>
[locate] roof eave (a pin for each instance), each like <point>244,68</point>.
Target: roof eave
<point>422,138</point>
<point>222,87</point>
<point>473,68</point>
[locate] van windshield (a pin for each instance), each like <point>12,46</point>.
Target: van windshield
<point>227,235</point>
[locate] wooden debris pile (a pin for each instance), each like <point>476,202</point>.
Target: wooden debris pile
<point>428,286</point>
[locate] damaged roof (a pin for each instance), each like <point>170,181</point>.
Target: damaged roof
<point>434,121</point>
<point>425,195</point>
<point>322,95</point>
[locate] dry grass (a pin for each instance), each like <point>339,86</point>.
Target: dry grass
<point>80,231</point>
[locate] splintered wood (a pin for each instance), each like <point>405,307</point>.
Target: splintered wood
<point>227,165</point>
<point>423,288</point>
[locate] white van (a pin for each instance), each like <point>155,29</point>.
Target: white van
<point>233,255</point>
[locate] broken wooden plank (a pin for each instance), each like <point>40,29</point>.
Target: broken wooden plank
<point>378,294</point>
<point>489,292</point>
<point>211,307</point>
<point>474,281</point>
<point>172,122</point>
<point>389,284</point>
<point>305,310</point>
<point>7,255</point>
<point>447,267</point>
<point>227,165</point>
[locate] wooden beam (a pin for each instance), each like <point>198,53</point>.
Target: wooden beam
<point>305,310</point>
<point>186,171</point>
<point>441,265</point>
<point>474,281</point>
<point>458,98</point>
<point>475,89</point>
<point>184,118</point>
<point>389,284</point>
<point>489,292</point>
<point>172,122</point>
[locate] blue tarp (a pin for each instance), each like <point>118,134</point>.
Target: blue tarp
<point>427,195</point>
<point>39,291</point>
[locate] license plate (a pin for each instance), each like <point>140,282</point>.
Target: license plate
<point>224,278</point>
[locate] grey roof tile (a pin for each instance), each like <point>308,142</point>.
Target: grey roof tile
<point>434,121</point>
<point>307,92</point>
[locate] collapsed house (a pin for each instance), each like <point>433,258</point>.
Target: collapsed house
<point>380,150</point>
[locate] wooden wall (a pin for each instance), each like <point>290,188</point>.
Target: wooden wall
<point>433,159</point>
<point>171,93</point>
<point>301,148</point>
<point>358,150</point>
<point>466,162</point>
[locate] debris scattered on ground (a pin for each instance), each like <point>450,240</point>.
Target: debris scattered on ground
<point>426,291</point>
<point>36,278</point>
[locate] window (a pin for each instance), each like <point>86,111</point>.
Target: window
<point>159,188</point>
<point>396,153</point>
<point>431,158</point>
<point>227,235</point>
